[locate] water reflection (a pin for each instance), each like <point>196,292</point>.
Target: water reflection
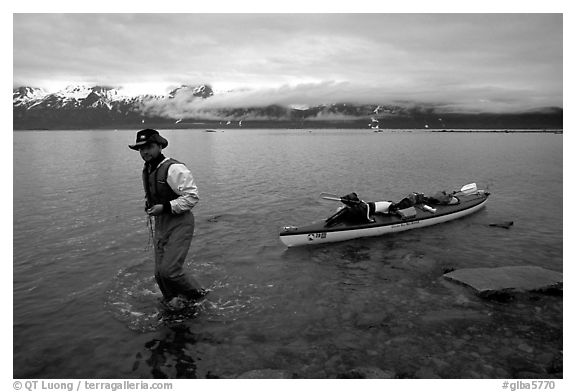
<point>169,356</point>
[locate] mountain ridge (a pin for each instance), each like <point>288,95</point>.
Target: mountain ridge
<point>83,107</point>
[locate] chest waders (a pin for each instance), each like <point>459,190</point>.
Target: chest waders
<point>172,236</point>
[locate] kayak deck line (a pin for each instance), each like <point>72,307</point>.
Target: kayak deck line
<point>318,232</point>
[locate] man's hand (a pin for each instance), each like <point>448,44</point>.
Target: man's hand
<point>155,210</point>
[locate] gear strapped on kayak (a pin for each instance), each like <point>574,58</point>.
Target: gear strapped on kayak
<point>356,210</point>
<point>358,218</point>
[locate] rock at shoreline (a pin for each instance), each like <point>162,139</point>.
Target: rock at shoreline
<point>519,279</point>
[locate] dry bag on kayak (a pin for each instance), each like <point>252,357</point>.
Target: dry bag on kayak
<point>443,198</point>
<point>407,213</point>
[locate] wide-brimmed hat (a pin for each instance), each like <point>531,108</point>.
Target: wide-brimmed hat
<point>146,136</point>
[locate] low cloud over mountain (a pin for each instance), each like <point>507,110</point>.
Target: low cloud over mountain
<point>312,105</point>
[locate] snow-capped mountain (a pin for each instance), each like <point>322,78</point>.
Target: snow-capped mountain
<point>23,95</point>
<point>97,96</point>
<point>202,91</point>
<point>78,97</point>
<point>81,107</point>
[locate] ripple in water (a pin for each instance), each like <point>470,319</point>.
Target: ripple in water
<point>134,299</point>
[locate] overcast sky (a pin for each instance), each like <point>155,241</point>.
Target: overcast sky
<point>473,62</point>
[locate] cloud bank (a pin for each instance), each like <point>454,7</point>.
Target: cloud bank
<point>467,62</point>
<point>303,96</point>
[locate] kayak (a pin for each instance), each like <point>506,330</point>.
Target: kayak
<point>464,202</point>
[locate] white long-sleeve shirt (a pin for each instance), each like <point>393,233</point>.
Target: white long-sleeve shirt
<point>180,179</point>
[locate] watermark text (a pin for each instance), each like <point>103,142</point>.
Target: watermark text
<point>520,385</point>
<point>90,385</point>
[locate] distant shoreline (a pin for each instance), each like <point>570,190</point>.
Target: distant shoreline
<point>382,130</point>
<point>499,130</point>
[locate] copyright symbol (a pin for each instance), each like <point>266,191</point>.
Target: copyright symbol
<point>17,385</point>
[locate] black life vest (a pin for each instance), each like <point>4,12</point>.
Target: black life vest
<point>155,185</point>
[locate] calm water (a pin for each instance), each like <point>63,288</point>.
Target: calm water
<point>85,301</point>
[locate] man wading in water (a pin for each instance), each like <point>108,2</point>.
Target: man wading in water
<point>171,194</point>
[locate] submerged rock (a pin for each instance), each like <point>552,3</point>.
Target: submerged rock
<point>555,366</point>
<point>266,374</point>
<point>523,278</point>
<point>417,263</point>
<point>369,320</point>
<point>454,315</point>
<point>426,373</point>
<point>367,372</point>
<point>503,225</point>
